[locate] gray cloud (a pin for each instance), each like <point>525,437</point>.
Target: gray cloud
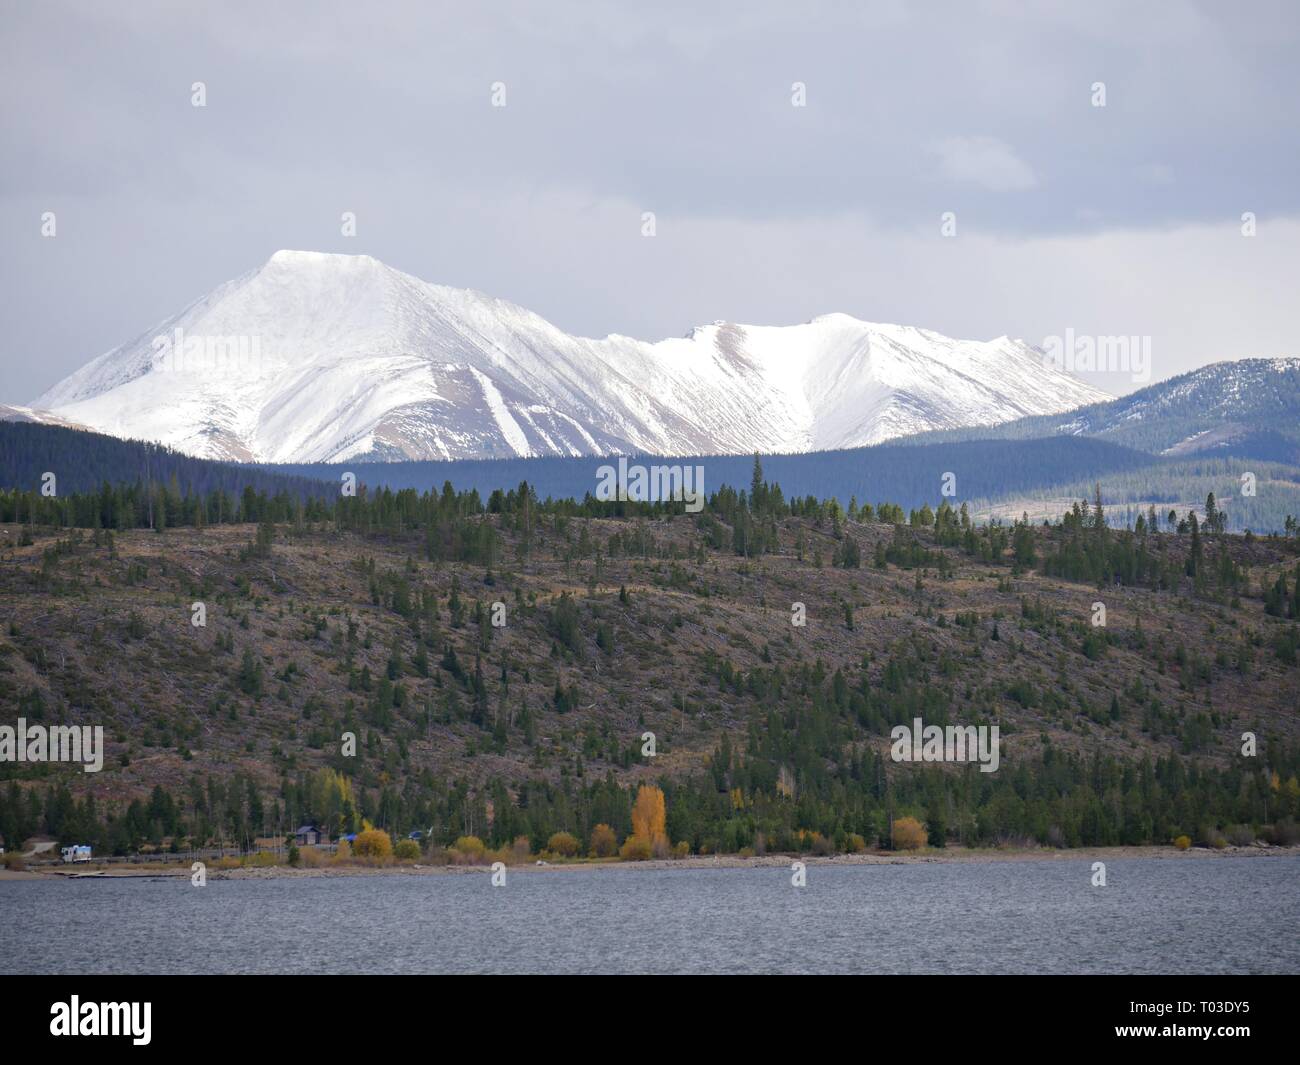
<point>984,161</point>
<point>1122,219</point>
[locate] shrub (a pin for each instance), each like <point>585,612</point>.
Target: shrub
<point>343,852</point>
<point>682,850</point>
<point>565,844</point>
<point>295,856</point>
<point>467,850</point>
<point>260,860</point>
<point>1241,836</point>
<point>854,844</point>
<point>520,850</point>
<point>373,845</point>
<point>1183,842</point>
<point>1285,833</point>
<point>15,862</point>
<point>604,844</point>
<point>311,858</point>
<point>635,849</point>
<point>407,850</point>
<point>909,834</point>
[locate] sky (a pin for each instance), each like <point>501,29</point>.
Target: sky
<point>798,159</point>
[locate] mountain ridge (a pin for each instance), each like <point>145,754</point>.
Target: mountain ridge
<point>1221,407</point>
<point>323,357</point>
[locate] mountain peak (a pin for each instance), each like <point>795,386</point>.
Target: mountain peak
<point>294,257</point>
<point>840,318</point>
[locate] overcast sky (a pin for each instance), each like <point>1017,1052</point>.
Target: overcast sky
<point>1122,219</point>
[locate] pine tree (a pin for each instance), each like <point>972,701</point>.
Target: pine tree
<point>1194,557</point>
<point>251,674</point>
<point>1211,514</point>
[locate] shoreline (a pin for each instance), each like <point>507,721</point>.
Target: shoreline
<point>947,856</point>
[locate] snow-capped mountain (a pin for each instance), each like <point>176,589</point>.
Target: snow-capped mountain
<point>321,357</point>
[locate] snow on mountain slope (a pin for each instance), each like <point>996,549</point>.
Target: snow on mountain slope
<point>10,413</point>
<point>322,357</point>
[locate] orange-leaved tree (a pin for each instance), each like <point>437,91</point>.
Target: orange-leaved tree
<point>909,834</point>
<point>650,818</point>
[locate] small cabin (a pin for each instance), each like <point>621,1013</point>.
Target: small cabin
<point>310,836</point>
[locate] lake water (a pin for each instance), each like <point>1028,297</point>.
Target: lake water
<point>1155,916</point>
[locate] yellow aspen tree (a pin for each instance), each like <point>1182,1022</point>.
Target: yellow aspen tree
<point>650,816</point>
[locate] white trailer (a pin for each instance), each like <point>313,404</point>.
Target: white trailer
<point>78,852</point>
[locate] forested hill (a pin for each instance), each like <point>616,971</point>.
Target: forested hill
<point>486,672</point>
<point>83,462</point>
<point>907,475</point>
<point>1249,408</point>
<point>996,477</point>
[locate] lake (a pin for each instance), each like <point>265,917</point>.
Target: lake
<point>1231,915</point>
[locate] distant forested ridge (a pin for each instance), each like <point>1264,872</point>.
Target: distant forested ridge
<point>906,475</point>
<point>1036,475</point>
<point>84,462</point>
<point>1257,399</point>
